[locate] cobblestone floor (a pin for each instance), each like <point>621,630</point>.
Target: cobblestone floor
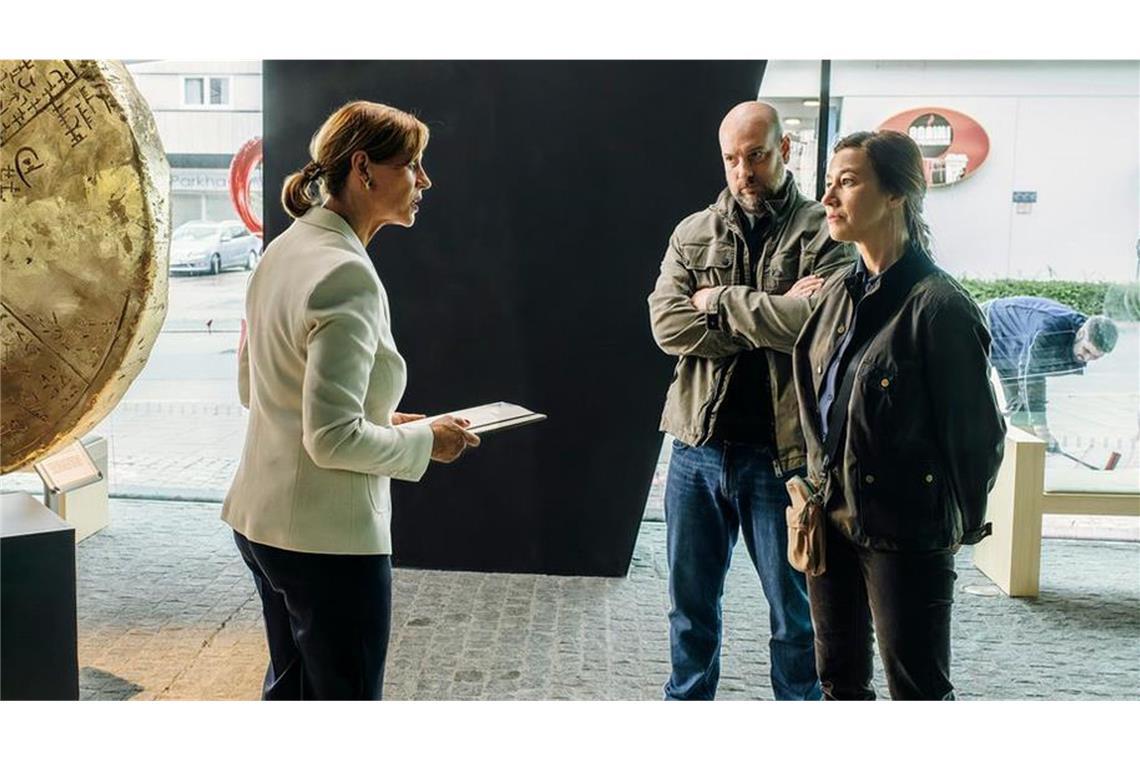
<point>167,611</point>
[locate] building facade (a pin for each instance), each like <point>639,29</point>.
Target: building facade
<point>205,111</point>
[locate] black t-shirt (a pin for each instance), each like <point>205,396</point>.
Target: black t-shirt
<point>745,416</point>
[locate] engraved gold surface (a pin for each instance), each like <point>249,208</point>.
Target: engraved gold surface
<point>84,239</point>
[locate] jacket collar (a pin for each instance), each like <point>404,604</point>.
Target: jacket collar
<point>778,207</point>
<point>896,280</point>
<point>319,216</point>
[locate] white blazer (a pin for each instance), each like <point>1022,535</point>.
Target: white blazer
<point>321,376</point>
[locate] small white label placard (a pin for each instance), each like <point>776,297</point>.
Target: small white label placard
<point>67,469</point>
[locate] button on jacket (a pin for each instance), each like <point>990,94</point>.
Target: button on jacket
<point>321,377</point>
<point>923,438</point>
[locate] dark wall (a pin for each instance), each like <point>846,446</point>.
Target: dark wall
<point>555,188</point>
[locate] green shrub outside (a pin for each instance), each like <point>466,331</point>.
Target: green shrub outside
<point>1116,300</point>
<point>1122,302</point>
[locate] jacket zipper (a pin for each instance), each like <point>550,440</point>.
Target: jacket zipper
<point>776,467</point>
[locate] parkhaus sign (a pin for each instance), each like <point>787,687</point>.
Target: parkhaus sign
<point>953,145</point>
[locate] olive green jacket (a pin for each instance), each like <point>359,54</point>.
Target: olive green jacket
<point>702,253</point>
<point>923,437</point>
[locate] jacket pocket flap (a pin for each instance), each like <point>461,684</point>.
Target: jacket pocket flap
<point>708,256</point>
<point>784,266</point>
<point>886,375</point>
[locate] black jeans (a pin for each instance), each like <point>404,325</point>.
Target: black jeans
<point>906,596</point>
<point>327,620</point>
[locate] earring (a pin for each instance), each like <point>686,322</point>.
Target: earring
<point>367,182</point>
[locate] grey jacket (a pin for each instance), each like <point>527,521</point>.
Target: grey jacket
<point>702,252</point>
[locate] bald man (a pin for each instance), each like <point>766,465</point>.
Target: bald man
<point>729,303</point>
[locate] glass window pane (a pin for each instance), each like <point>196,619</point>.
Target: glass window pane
<point>219,91</point>
<point>793,88</point>
<point>1004,198</point>
<point>192,92</point>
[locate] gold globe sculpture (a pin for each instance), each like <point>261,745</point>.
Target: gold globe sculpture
<point>84,239</point>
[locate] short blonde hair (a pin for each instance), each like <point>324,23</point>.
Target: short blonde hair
<point>381,131</point>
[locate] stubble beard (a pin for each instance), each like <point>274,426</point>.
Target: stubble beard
<point>754,202</point>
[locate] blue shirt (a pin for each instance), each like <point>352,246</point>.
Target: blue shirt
<point>831,379</point>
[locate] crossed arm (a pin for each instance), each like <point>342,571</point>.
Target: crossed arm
<point>679,328</point>
<point>726,319</point>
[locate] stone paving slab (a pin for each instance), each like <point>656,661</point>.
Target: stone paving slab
<point>167,610</point>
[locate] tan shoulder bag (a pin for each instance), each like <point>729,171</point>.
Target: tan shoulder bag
<point>806,528</point>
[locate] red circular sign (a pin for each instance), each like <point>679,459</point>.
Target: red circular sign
<point>953,145</point>
<point>241,167</point>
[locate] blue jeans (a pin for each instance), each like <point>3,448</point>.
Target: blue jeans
<point>711,492</point>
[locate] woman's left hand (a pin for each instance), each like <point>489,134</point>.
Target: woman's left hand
<point>805,286</point>
<point>399,418</point>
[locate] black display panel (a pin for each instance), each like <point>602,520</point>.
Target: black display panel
<point>556,187</point>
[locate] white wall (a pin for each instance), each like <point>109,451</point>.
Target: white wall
<point>205,131</point>
<point>200,129</point>
<point>1081,155</point>
<point>1069,130</point>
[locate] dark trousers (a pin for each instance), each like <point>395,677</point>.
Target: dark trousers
<point>327,619</point>
<point>906,598</point>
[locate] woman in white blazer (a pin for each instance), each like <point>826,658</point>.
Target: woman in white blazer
<point>321,376</point>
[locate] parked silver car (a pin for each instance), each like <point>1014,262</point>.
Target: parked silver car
<point>213,246</point>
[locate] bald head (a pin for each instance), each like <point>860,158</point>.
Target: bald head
<point>755,150</point>
<point>753,116</point>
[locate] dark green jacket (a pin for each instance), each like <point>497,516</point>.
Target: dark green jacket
<point>702,253</point>
<point>924,436</point>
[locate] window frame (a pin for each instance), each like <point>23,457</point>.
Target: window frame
<point>206,104</point>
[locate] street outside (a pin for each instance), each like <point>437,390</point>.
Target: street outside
<point>179,431</point>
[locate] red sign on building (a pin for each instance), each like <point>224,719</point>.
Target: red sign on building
<point>953,145</point>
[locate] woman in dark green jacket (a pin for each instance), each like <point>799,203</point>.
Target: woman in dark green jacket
<point>903,432</point>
